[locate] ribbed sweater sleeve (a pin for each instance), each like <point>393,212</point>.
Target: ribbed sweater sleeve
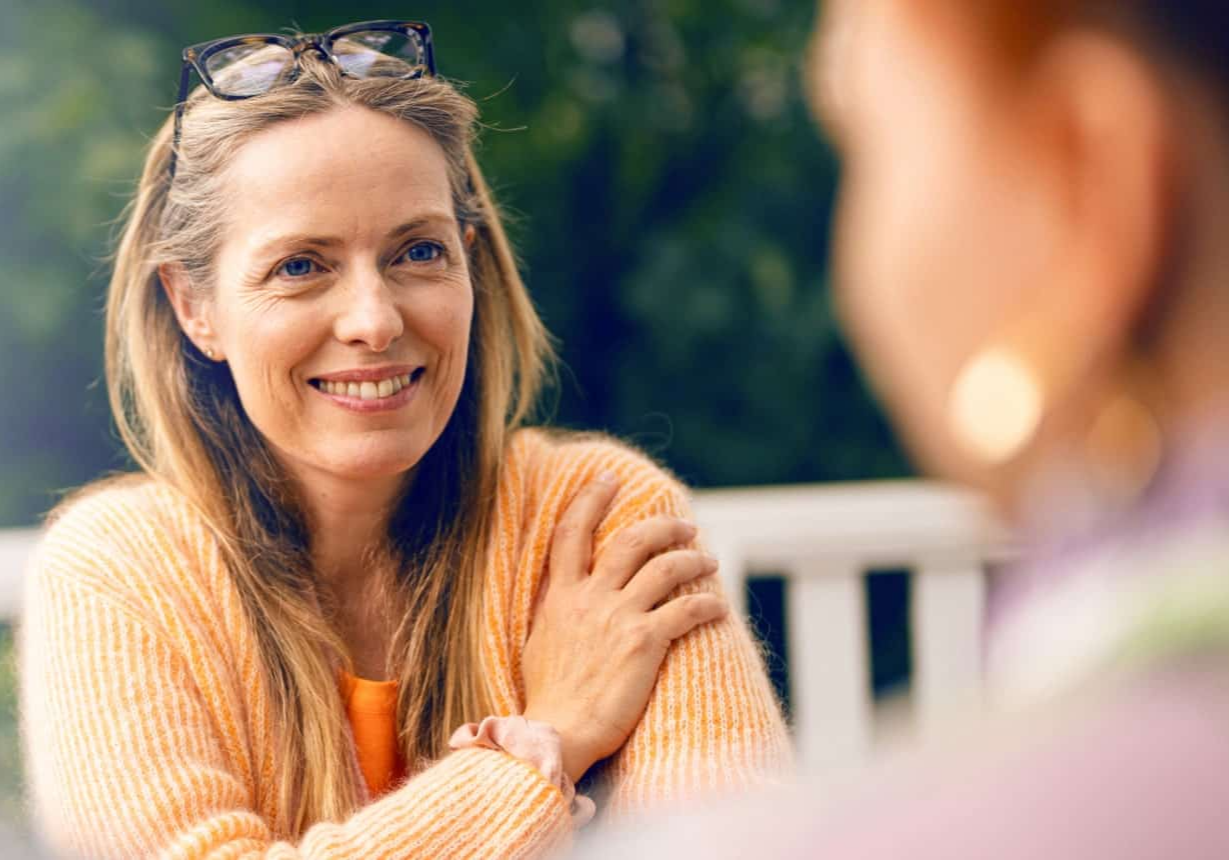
<point>133,748</point>
<point>713,724</point>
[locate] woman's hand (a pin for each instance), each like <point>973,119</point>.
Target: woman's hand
<point>599,636</point>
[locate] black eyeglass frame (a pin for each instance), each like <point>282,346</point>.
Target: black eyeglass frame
<point>196,57</point>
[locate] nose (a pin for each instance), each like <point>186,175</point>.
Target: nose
<point>370,316</point>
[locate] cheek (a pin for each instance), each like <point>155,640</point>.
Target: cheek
<point>936,257</point>
<point>912,283</point>
<point>450,322</point>
<point>444,324</point>
<point>898,250</point>
<point>263,347</point>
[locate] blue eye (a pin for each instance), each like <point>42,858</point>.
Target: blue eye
<point>297,267</point>
<point>423,252</point>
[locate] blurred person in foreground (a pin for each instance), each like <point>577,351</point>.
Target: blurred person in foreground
<point>1034,267</point>
<point>342,545</point>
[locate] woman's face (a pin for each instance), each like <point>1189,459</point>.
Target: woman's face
<point>343,299</point>
<point>939,228</point>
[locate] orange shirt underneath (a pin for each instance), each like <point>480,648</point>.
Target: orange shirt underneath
<point>371,707</point>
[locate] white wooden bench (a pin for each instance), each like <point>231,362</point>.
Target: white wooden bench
<point>824,540</point>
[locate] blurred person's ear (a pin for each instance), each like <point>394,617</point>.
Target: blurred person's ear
<point>1103,127</point>
<point>193,310</point>
<point>1091,129</point>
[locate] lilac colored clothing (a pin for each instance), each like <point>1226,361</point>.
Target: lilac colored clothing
<point>1189,491</point>
<point>1143,774</point>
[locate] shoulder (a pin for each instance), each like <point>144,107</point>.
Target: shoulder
<point>542,459</point>
<point>548,467</point>
<point>129,538</point>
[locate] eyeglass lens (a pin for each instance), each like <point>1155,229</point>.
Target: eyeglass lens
<point>380,52</point>
<point>251,69</point>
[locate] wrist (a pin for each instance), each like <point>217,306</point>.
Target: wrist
<point>576,755</point>
<point>540,745</point>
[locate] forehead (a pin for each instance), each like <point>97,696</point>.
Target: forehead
<point>882,61</point>
<point>847,39</point>
<point>348,172</point>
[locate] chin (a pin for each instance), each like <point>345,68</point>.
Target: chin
<point>386,459</point>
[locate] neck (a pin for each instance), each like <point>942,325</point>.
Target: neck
<point>347,520</point>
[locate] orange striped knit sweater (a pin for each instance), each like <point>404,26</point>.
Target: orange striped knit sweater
<point>147,732</point>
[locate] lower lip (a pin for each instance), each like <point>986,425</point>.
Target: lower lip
<point>369,407</point>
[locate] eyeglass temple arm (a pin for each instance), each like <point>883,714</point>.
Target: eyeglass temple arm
<point>429,51</point>
<point>184,75</point>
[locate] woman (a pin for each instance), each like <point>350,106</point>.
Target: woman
<point>339,549</point>
<point>1033,267</point>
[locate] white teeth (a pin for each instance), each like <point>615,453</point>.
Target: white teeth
<point>370,390</point>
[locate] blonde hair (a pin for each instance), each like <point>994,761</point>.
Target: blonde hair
<point>180,417</point>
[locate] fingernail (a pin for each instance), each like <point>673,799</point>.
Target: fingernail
<point>608,478</point>
<point>711,561</point>
<point>689,528</point>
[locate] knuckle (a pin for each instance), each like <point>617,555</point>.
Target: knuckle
<point>641,635</point>
<point>682,530</point>
<point>668,569</point>
<point>695,606</point>
<point>633,540</point>
<point>679,567</point>
<point>697,561</point>
<point>566,529</point>
<point>603,491</point>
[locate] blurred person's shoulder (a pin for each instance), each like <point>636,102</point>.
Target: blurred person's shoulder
<point>1134,768</point>
<point>129,536</point>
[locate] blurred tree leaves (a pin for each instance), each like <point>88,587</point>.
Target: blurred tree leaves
<point>670,200</point>
<point>77,92</point>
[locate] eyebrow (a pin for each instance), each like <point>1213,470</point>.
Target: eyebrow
<point>301,239</point>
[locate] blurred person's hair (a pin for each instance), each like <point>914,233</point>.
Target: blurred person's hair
<point>1192,32</point>
<point>181,418</point>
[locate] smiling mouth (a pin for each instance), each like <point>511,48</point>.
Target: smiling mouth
<point>375,389</point>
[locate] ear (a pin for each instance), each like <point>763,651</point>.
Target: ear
<point>470,235</point>
<point>1107,136</point>
<point>194,311</point>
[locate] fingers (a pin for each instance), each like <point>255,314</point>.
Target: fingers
<point>571,550</point>
<point>658,579</point>
<point>631,548</point>
<point>684,614</point>
<point>539,599</point>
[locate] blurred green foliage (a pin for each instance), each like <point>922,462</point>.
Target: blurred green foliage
<point>670,195</point>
